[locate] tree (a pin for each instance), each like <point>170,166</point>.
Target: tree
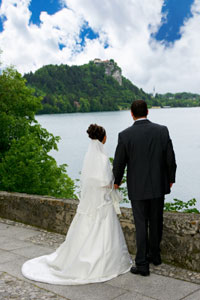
<point>88,85</point>
<point>17,108</point>
<point>27,168</point>
<point>25,165</point>
<point>84,105</point>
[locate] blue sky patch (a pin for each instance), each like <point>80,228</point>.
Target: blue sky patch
<point>61,46</point>
<point>87,32</point>
<point>1,25</point>
<point>2,19</point>
<point>37,6</point>
<point>106,45</point>
<point>177,12</point>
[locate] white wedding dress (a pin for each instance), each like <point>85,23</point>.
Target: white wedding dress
<point>95,249</point>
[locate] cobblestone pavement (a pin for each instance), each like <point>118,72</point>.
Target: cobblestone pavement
<point>16,288</point>
<point>49,239</point>
<point>53,240</point>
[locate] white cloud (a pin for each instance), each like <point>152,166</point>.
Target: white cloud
<point>28,46</point>
<point>125,25</point>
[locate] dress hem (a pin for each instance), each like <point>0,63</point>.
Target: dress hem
<point>75,282</point>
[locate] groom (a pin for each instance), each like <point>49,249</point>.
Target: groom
<point>146,149</point>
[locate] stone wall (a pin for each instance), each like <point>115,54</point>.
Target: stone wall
<point>44,212</point>
<point>181,234</point>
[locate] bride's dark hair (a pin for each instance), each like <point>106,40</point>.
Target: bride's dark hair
<point>96,132</point>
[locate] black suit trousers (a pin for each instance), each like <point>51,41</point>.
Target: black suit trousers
<point>148,216</point>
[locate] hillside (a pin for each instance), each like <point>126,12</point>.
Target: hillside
<point>96,86</point>
<point>176,100</point>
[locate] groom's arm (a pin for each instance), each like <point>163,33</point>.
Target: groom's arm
<point>120,161</point>
<point>170,159</point>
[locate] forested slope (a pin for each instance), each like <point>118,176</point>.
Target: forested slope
<point>82,88</point>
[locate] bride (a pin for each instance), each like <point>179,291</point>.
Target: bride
<point>94,249</point>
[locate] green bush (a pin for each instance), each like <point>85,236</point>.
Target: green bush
<point>178,205</point>
<point>25,165</point>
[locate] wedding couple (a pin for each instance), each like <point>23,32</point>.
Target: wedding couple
<point>95,249</point>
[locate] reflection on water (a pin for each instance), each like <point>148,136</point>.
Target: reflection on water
<point>183,125</point>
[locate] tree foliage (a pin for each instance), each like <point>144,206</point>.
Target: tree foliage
<point>175,100</point>
<point>179,205</point>
<point>17,108</point>
<point>25,165</point>
<point>86,88</point>
<point>83,88</point>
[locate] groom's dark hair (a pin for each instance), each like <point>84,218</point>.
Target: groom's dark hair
<point>139,108</point>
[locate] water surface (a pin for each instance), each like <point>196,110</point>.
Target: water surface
<point>183,125</point>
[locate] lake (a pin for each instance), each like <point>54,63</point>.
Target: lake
<point>183,125</point>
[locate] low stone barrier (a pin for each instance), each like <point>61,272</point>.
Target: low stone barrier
<point>181,232</point>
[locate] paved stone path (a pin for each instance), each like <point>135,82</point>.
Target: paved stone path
<point>20,242</point>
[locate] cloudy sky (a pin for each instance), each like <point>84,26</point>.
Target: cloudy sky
<point>155,42</point>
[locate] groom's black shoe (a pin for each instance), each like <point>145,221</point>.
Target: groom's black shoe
<point>136,271</point>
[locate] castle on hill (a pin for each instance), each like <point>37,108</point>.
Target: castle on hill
<point>111,69</point>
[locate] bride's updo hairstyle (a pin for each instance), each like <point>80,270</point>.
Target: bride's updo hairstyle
<point>96,132</point>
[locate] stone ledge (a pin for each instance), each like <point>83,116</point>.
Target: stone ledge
<point>181,231</point>
<point>41,211</point>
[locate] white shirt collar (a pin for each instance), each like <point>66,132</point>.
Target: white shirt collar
<point>141,119</point>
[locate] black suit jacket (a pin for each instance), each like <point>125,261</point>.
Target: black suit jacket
<point>146,149</point>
